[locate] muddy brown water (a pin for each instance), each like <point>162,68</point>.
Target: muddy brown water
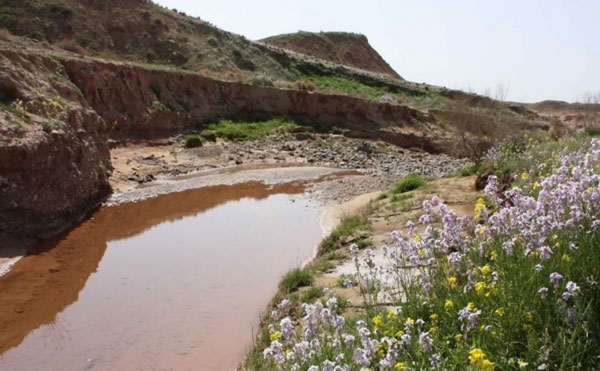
<point>175,282</point>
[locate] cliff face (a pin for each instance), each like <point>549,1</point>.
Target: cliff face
<point>139,102</point>
<point>47,178</point>
<point>54,162</point>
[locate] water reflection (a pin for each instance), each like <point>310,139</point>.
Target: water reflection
<point>179,287</point>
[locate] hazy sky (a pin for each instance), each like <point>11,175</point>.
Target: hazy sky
<point>542,49</point>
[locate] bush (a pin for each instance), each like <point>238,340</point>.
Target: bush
<point>192,141</point>
<point>295,279</point>
<point>231,130</point>
<point>409,183</point>
<point>592,131</point>
<point>47,127</point>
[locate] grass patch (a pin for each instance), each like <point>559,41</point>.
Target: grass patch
<point>364,242</point>
<point>409,183</point>
<point>348,226</point>
<point>192,141</point>
<point>311,294</point>
<point>382,196</point>
<point>334,255</point>
<point>296,278</point>
<point>401,197</point>
<point>467,171</point>
<point>238,131</point>
<point>593,131</point>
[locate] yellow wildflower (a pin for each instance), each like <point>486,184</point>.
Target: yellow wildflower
<point>487,365</point>
<point>485,270</point>
<point>378,320</point>
<point>399,333</point>
<point>391,314</point>
<point>400,366</point>
<point>275,336</point>
<point>409,321</point>
<point>458,337</point>
<point>529,317</point>
<point>471,306</point>
<point>432,330</point>
<point>479,207</point>
<point>493,255</point>
<point>524,176</point>
<point>590,190</point>
<point>452,281</point>
<point>535,186</point>
<point>421,253</point>
<point>476,355</point>
<point>499,312</point>
<point>449,304</point>
<point>417,238</point>
<point>480,287</point>
<point>433,317</point>
<point>565,258</point>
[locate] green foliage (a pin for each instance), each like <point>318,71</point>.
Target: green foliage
<point>238,131</point>
<point>364,242</point>
<point>468,171</point>
<point>409,183</point>
<point>401,197</point>
<point>47,127</point>
<point>348,226</point>
<point>592,131</point>
<point>311,294</point>
<point>296,278</point>
<point>382,196</point>
<point>192,141</point>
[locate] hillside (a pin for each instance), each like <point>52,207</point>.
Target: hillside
<point>339,47</point>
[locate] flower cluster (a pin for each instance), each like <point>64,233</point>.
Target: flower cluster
<point>524,267</point>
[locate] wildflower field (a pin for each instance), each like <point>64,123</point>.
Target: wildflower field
<point>515,286</point>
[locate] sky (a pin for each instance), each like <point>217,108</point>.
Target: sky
<point>539,49</point>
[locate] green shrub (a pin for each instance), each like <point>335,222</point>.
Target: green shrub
<point>295,279</point>
<point>592,131</point>
<point>311,294</point>
<point>192,141</point>
<point>47,127</point>
<point>238,131</point>
<point>363,243</point>
<point>409,183</point>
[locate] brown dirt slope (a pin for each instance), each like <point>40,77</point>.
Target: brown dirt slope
<point>339,47</point>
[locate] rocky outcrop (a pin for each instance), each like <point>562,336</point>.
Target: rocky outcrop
<point>51,171</point>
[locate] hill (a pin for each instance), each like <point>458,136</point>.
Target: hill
<point>345,48</point>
